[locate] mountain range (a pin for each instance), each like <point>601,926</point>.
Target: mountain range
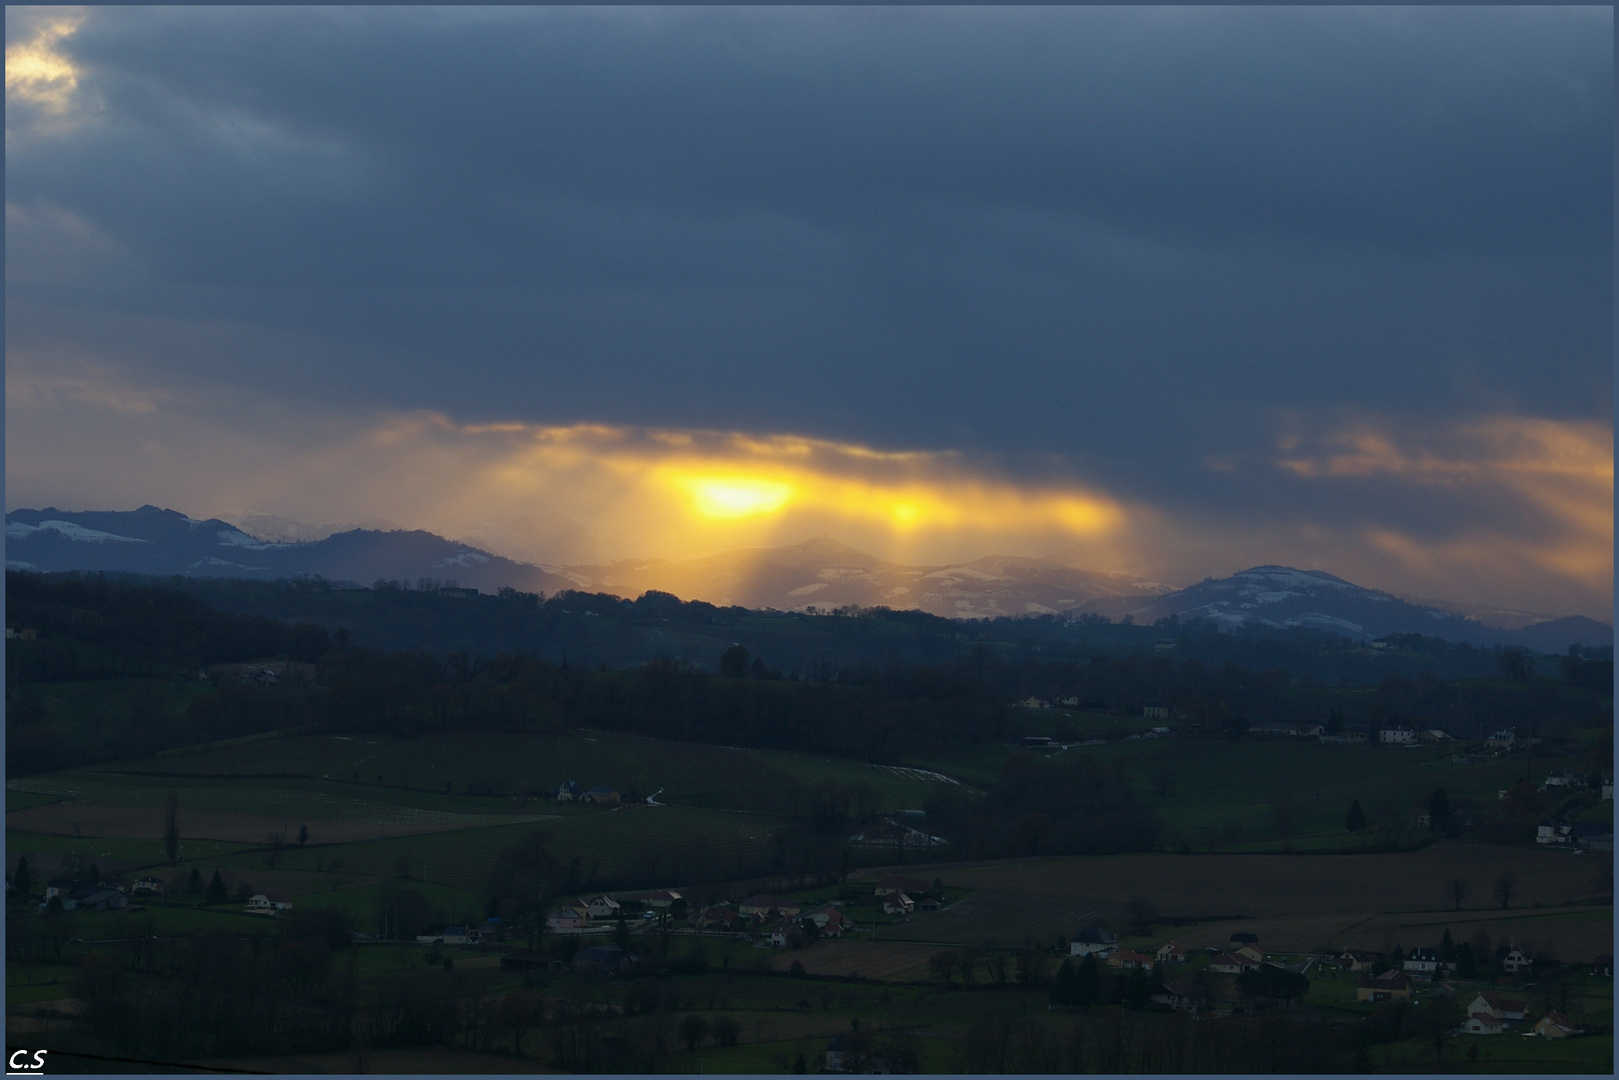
<point>820,574</point>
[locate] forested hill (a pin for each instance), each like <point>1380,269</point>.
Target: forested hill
<point>593,630</point>
<point>874,702</point>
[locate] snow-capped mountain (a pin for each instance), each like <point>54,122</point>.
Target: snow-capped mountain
<point>163,542</point>
<point>1280,596</point>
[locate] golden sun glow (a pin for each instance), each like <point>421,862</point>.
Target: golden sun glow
<point>727,498</point>
<point>36,72</point>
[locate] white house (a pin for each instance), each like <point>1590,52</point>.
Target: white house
<point>1515,961</point>
<point>1397,736</point>
<point>1499,1007</point>
<point>1093,940</point>
<point>600,907</point>
<point>1422,962</point>
<point>266,902</point>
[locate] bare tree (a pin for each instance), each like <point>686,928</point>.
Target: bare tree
<point>1506,887</point>
<point>1457,889</point>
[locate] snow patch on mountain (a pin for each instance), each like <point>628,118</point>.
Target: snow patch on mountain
<point>79,533</point>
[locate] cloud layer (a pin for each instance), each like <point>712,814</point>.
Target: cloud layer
<point>1176,288</point>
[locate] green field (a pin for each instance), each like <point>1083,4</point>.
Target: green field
<point>464,769</point>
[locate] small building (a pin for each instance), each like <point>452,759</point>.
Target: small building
<point>778,937</point>
<point>268,902</point>
<point>1171,953</point>
<point>1250,952</point>
<point>1505,739</point>
<point>1554,832</point>
<point>566,919</point>
<point>1397,736</point>
<point>1565,778</point>
<point>1607,790</point>
<point>1434,735</point>
<point>1603,965</point>
<point>1355,960</point>
<point>761,905</point>
<point>147,884</point>
<point>829,920</point>
<point>1155,712</point>
<point>567,791</point>
<point>1483,1024</point>
<point>1093,940</point>
<point>1392,985</point>
<point>898,903</point>
<point>1345,738</point>
<point>1515,962</point>
<point>461,935</point>
<point>1554,1025</point>
<point>1128,960</point>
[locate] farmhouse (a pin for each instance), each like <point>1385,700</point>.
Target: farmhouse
<point>1499,1007</point>
<point>1093,940</point>
<point>829,920</point>
<point>1397,736</point>
<point>1566,778</point>
<point>897,903</point>
<point>1180,996</point>
<point>1250,952</point>
<point>1171,953</point>
<point>600,907</point>
<point>268,901</point>
<point>1155,712</point>
<point>147,884</point>
<point>1505,739</point>
<point>94,898</point>
<point>1389,986</point>
<point>902,884</point>
<point>778,937</point>
<point>567,791</point>
<point>1554,1025</point>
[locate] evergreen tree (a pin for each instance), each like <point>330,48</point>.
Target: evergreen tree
<point>171,828</point>
<point>1355,820</point>
<point>1447,948</point>
<point>194,882</point>
<point>1466,965</point>
<point>1087,982</point>
<point>1438,807</point>
<point>1062,987</point>
<point>216,889</point>
<point>22,881</point>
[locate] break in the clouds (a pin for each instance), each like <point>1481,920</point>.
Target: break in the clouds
<point>1201,286</point>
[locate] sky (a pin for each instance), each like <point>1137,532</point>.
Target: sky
<point>1165,291</point>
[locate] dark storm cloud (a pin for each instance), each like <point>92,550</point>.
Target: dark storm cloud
<point>1125,241</point>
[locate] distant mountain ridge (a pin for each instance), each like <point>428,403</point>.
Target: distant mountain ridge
<point>820,574</point>
<point>1280,597</point>
<point>165,542</point>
